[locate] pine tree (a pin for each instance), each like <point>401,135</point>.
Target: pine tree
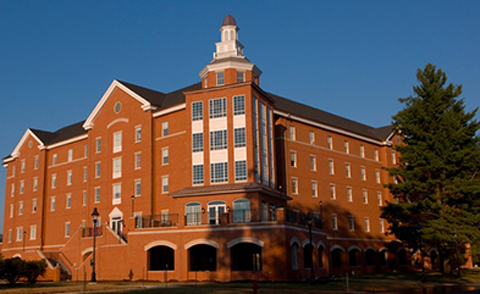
<point>438,175</point>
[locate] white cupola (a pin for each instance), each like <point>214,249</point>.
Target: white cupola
<point>229,45</point>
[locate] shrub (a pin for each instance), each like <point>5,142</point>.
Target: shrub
<point>12,269</point>
<point>33,269</point>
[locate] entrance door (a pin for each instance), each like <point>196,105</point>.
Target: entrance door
<point>117,224</point>
<point>215,209</point>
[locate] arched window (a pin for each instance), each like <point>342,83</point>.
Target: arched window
<point>203,258</point>
<point>353,257</point>
<point>321,256</point>
<point>308,256</point>
<point>402,257</point>
<point>264,211</point>
<point>161,258</point>
<point>370,257</point>
<point>295,256</point>
<point>337,258</point>
<point>273,212</point>
<point>193,214</point>
<point>383,257</point>
<point>246,257</point>
<point>215,210</point>
<point>241,211</point>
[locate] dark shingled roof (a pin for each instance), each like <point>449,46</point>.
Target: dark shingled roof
<point>320,116</point>
<point>61,134</point>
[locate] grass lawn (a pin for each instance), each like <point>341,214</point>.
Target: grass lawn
<point>359,283</point>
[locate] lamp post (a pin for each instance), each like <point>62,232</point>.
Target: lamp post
<point>133,204</point>
<point>309,222</point>
<point>95,215</point>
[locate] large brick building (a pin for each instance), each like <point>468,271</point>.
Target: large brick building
<point>220,180</point>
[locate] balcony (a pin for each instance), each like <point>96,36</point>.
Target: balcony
<point>157,221</point>
<point>89,232</point>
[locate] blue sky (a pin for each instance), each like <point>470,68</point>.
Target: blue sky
<point>351,58</point>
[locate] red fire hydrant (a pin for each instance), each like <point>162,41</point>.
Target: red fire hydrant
<point>255,287</point>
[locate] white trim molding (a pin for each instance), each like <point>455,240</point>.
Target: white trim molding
<point>201,242</point>
<point>160,243</point>
<point>245,240</point>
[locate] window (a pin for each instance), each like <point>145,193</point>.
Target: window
<point>10,236</point>
<point>291,131</point>
<point>54,180</point>
<point>311,136</point>
<point>394,159</point>
<point>35,184</point>
<point>137,188</point>
<point>363,173</point>
<point>331,167</point>
<point>349,194</point>
<point>219,172</point>
<point>241,170</point>
<point>138,134</point>
<point>375,154</point>
<point>382,227</point>
<point>348,170</point>
<point>54,159</point>
<point>70,155</point>
<point>238,105</point>
<point>69,178</point>
<point>294,186</point>
<point>12,190</point>
<point>19,233</point>
<point>314,189</point>
<point>11,210</point>
<point>241,210</point>
<point>365,196</point>
<point>68,202</point>
<point>35,162</point>
<point>33,232</point>
<point>240,137</point>
<point>97,169</point>
<point>98,145</point>
<point>84,198</point>
<point>193,214</point>
<point>137,160</point>
<point>313,163</point>
<point>97,195</point>
<point>367,225</point>
<point>293,159</point>
<point>165,156</point>
<point>377,176</point>
<point>198,174</point>
<point>52,203</point>
<point>117,142</point>
<point>220,80</point>
<point>362,151</point>
<point>346,147</point>
<point>218,107</point>
<point>351,223</point>
<point>85,174</point>
<point>218,140</point>
<point>206,82</point>
<point>22,186</point>
<point>240,77</point>
<point>34,205</point>
<point>67,229</point>
<point>379,198</point>
<point>197,144</point>
<point>333,194</point>
<point>13,170</point>
<point>117,194</point>
<point>197,110</point>
<point>329,142</point>
<point>164,128</point>
<point>22,166</point>
<point>165,184</point>
<point>334,222</point>
<point>20,208</point>
<point>85,151</point>
<point>117,168</point>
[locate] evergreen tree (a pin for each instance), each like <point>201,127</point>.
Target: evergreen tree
<point>438,174</point>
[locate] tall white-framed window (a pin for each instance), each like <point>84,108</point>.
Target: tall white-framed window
<point>219,172</point>
<point>379,199</point>
<point>22,186</point>
<point>69,178</point>
<point>164,184</point>
<point>294,256</point>
<point>367,224</point>
<point>137,187</point>
<point>13,170</point>
<point>198,174</point>
<point>67,229</point>
<point>22,166</point>
<point>138,134</point>
<point>311,136</point>
<point>294,186</point>
<point>117,193</point>
<point>193,214</point>
<point>239,137</point>
<point>97,194</point>
<point>331,167</point>
<point>333,193</point>
<point>313,163</point>
<point>35,184</point>
<point>54,159</point>
<point>10,236</point>
<point>165,156</point>
<point>197,142</point>
<point>33,232</point>
<point>52,203</point>
<point>117,142</point>
<point>291,132</point>
<point>314,188</point>
<point>12,190</point>
<point>85,151</point>
<point>34,205</point>
<point>215,210</point>
<point>97,169</point>
<point>346,147</point>
<point>362,151</point>
<point>20,207</point>
<point>365,196</point>
<point>35,162</point>
<point>334,222</point>
<point>70,155</point>
<point>68,201</point>
<point>11,210</point>
<point>382,226</point>
<point>54,180</point>
<point>165,129</point>
<point>19,233</point>
<point>240,170</point>
<point>84,198</point>
<point>85,174</point>
<point>117,167</point>
<point>329,142</point>
<point>241,210</point>
<point>348,170</point>
<point>217,107</point>
<point>349,194</point>
<point>375,154</point>
<point>394,158</point>
<point>98,145</point>
<point>240,76</point>
<point>351,223</point>
<point>238,105</point>
<point>218,140</point>
<point>137,161</point>
<point>293,159</point>
<point>197,110</point>
<point>363,173</point>
<point>220,79</point>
